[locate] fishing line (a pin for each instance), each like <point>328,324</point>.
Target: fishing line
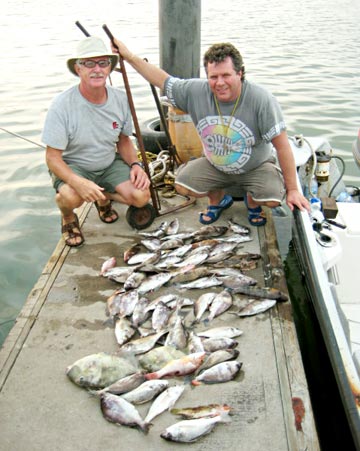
<point>22,137</point>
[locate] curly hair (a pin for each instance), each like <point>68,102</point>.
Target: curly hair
<point>217,53</point>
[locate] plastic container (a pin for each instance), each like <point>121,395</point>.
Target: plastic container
<point>184,135</point>
<point>316,209</point>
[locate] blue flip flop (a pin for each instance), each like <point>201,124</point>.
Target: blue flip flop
<point>214,211</point>
<point>256,216</point>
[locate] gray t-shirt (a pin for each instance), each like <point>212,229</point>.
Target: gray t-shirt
<point>245,142</point>
<point>87,133</point>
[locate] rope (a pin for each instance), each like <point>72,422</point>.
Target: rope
<point>159,169</point>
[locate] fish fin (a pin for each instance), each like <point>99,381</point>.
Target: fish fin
<point>195,382</point>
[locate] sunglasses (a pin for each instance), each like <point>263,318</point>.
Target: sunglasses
<point>90,64</point>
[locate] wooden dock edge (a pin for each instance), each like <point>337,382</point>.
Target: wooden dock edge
<point>300,424</point>
<point>33,304</point>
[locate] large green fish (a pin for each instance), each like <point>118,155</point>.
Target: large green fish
<point>99,370</point>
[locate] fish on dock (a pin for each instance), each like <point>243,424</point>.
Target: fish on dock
<point>99,370</point>
<point>165,401</point>
<point>179,367</point>
<point>206,411</point>
<point>119,411</point>
<point>189,431</point>
<point>222,372</point>
<point>145,392</point>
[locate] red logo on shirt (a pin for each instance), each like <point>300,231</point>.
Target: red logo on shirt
<point>115,125</point>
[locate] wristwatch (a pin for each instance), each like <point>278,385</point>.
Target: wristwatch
<point>137,163</point>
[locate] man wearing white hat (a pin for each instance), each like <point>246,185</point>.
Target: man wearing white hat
<point>89,152</point>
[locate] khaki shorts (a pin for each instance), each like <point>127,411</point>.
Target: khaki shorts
<point>108,178</point>
<point>265,183</point>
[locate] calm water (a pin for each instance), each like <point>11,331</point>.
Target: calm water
<point>306,52</point>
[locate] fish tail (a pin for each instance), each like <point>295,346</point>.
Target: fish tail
<point>145,427</point>
<point>97,393</point>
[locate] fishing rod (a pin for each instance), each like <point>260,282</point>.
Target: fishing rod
<point>22,137</point>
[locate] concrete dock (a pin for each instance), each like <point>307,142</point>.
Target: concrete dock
<point>64,320</point>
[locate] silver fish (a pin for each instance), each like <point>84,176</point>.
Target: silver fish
<point>99,370</point>
<point>173,227</point>
<point>154,282</point>
<point>222,331</point>
<point>147,391</point>
<point>180,251</point>
<point>123,385</point>
<point>127,302</point>
<point>238,228</point>
<point>171,244</point>
<point>121,303</point>
<point>164,401</point>
<point>118,273</point>
<point>158,233</point>
<point>141,345</point>
<point>188,431</point>
<point>221,303</point>
<point>117,410</point>
<point>185,302</point>
<point>123,330</point>
<point>215,344</point>
<point>234,282</point>
<point>165,298</point>
<point>140,314</point>
<point>177,336</point>
<point>168,262</point>
<point>108,264</point>
<point>151,244</point>
<point>236,238</point>
<point>134,280</point>
<point>222,355</point>
<point>144,258</point>
<point>182,236</point>
<point>256,306</point>
<point>195,343</point>
<point>222,372</point>
<point>160,316</point>
<point>223,246</point>
<point>203,282</point>
<point>202,304</point>
<point>195,259</point>
<point>224,272</point>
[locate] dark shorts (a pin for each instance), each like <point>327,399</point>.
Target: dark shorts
<point>108,178</point>
<point>265,183</point>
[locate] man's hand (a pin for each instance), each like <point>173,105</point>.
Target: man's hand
<point>139,178</point>
<point>295,199</point>
<point>88,190</point>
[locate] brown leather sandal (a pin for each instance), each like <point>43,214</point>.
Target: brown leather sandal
<point>106,211</point>
<point>68,230</point>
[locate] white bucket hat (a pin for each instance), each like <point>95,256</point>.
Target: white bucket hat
<point>89,48</point>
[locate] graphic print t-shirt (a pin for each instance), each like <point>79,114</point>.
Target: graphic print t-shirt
<point>232,144</point>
